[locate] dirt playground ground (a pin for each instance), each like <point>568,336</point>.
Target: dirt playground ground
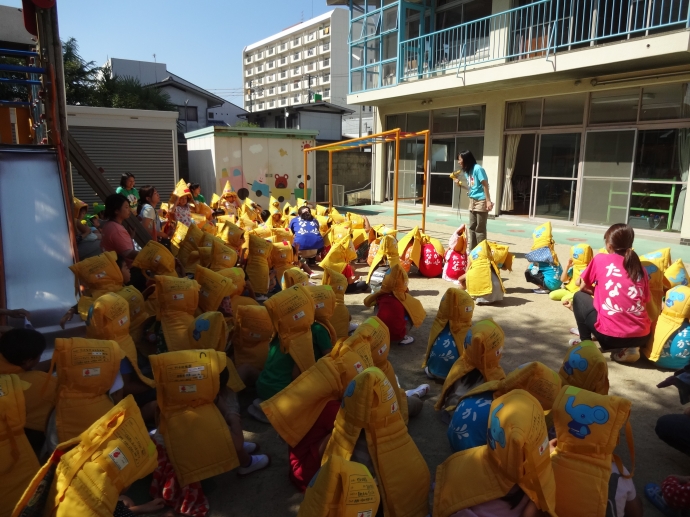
<point>536,329</point>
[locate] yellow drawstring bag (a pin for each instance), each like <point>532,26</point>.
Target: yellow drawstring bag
<point>517,453</point>
<point>292,313</point>
<point>478,276</point>
<point>86,369</point>
<point>456,310</point>
<point>410,248</point>
<point>208,330</point>
<point>178,299</point>
<point>213,287</point>
<point>95,467</point>
<point>588,426</point>
<point>656,263</point>
<point>252,334</point>
<point>324,304</point>
<point>187,384</point>
<point>109,320</point>
<point>376,334</point>
<point>257,266</point>
<point>388,249</point>
<point>190,243</point>
<point>222,256</point>
<point>370,404</point>
<point>281,234</point>
<point>585,367</point>
<point>341,314</point>
<point>395,282</point>
<point>282,258</point>
<point>293,276</point>
<point>156,258</point>
<point>535,378</point>
<point>18,462</point>
<point>676,310</point>
<point>39,394</point>
<point>295,409</point>
<point>341,487</point>
<point>231,234</point>
<point>676,274</point>
<point>582,255</point>
<point>483,353</point>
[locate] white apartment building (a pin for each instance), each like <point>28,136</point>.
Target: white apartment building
<point>289,68</point>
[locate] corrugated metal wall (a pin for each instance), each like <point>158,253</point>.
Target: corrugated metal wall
<point>147,153</point>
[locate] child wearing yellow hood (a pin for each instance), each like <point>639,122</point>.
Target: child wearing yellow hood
<point>396,307</point>
<point>580,257</point>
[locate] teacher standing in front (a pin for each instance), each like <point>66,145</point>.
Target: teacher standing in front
<point>480,199</point>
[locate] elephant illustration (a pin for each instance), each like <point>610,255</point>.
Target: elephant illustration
<point>200,326</point>
<point>496,434</point>
<point>575,362</point>
<point>583,416</point>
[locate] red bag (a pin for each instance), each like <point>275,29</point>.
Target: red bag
<point>432,262</point>
<point>456,265</point>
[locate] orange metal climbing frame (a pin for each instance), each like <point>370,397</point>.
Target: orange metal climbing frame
<point>393,135</point>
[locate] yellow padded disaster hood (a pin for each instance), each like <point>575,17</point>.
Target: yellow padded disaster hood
<point>155,258</point>
<point>293,276</point>
<point>338,256</point>
<point>178,299</point>
<point>387,249</point>
<point>109,319</point>
<point>341,486</point>
<point>676,310</point>
<point>656,263</point>
<point>95,467</point>
<point>99,274</point>
<point>231,234</point>
<point>18,461</point>
<point>257,265</point>
<point>187,383</point>
<point>370,405</point>
<point>39,395</point>
<point>395,282</point>
<point>282,258</point>
<point>676,274</point>
<point>294,410</point>
<point>456,310</point>
<point>341,314</point>
<point>517,453</point>
<point>252,335</point>
<point>588,428</point>
<point>478,276</point>
<point>585,367</point>
<point>582,255</point>
<point>324,306</point>
<point>222,256</point>
<point>213,287</point>
<point>410,248</point>
<point>292,312</point>
<point>483,353</point>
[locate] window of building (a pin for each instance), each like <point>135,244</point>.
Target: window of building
<point>260,55</point>
<point>270,91</point>
<point>326,61</point>
<point>295,56</point>
<point>326,78</point>
<point>614,106</point>
<point>283,87</point>
<point>283,46</point>
<point>311,51</point>
<point>210,114</point>
<point>191,114</point>
<point>325,47</point>
<point>327,92</point>
<point>271,104</point>
<point>295,41</point>
<point>296,70</point>
<point>295,84</point>
<point>326,30</point>
<point>283,74</point>
<point>248,59</point>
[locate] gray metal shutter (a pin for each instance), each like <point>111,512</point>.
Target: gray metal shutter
<point>146,153</point>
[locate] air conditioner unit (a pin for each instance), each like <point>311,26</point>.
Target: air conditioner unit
<point>338,194</point>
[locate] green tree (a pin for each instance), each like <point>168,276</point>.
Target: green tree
<point>81,77</point>
<point>11,91</point>
<point>245,123</point>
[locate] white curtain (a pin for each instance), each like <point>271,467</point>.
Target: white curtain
<point>683,160</point>
<point>516,112</point>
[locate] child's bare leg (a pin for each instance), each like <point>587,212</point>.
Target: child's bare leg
<point>238,439</point>
<point>248,374</point>
<point>305,267</point>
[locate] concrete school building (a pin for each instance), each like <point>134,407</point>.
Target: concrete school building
<point>578,109</point>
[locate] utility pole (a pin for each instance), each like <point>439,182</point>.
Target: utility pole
<point>308,88</point>
<point>251,93</point>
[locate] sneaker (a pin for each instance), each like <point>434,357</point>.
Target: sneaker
<point>259,461</point>
<point>626,355</point>
<point>257,403</point>
<point>429,374</point>
<point>315,274</point>
<point>573,330</point>
<point>407,340</point>
<point>261,298</point>
<point>353,326</point>
<point>420,391</point>
<point>574,341</point>
<point>541,291</point>
<point>250,447</point>
<point>257,414</point>
<point>653,493</point>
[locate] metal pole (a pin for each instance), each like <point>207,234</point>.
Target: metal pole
<point>306,177</point>
<point>330,179</point>
<point>395,180</point>
<point>425,178</point>
<point>360,122</point>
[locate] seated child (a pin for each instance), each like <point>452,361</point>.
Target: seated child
<point>672,497</point>
<point>450,328</point>
<point>585,367</point>
<point>456,256</point>
<point>588,427</point>
<point>511,476</point>
<point>670,345</point>
<point>298,343</point>
<point>483,277</point>
<point>395,306</point>
<point>341,316</point>
<point>339,259</point>
<point>545,271</point>
<point>479,363</point>
<point>580,257</point>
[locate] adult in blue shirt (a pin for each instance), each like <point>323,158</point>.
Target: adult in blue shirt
<point>307,234</point>
<point>480,199</point>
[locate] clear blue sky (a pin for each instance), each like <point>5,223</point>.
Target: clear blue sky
<point>199,40</point>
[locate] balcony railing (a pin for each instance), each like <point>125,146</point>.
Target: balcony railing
<point>537,30</point>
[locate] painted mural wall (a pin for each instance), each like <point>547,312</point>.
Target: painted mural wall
<point>262,167</point>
